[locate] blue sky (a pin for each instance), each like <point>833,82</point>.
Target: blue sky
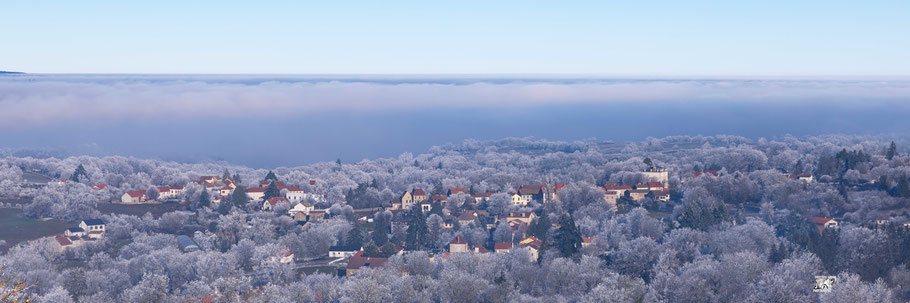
<point>640,38</point>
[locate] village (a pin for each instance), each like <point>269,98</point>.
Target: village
<point>345,259</point>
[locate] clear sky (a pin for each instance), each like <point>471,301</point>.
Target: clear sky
<point>384,37</point>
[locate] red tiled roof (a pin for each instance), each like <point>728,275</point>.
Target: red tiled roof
<point>499,246</point>
<point>467,216</point>
<point>358,260</point>
<point>99,186</point>
<point>820,220</point>
<point>655,184</point>
<point>439,197</point>
<point>459,240</point>
<point>275,200</point>
<point>482,194</point>
<point>63,241</point>
<point>587,239</point>
<point>255,190</point>
<point>456,190</point>
<point>418,192</point>
<point>617,187</point>
<point>710,172</point>
<point>136,193</point>
<point>559,186</point>
<point>162,189</point>
<point>293,188</point>
<point>177,187</point>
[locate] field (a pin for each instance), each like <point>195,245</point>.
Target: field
<point>15,228</point>
<point>138,209</point>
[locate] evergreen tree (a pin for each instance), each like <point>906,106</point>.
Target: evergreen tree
<point>892,151</point>
<point>381,226</point>
<point>225,174</point>
<point>355,237</point>
<point>439,166</point>
<point>436,209</point>
<point>779,253</point>
<point>80,171</point>
<point>272,191</point>
<point>224,207</point>
<point>271,176</point>
<point>540,226</point>
<point>204,199</point>
<point>371,250</point>
<point>338,161</point>
<point>903,188</point>
<point>648,162</point>
<point>387,250</point>
<point>238,197</point>
<point>237,180</point>
<point>416,164</point>
<point>417,230</point>
<point>567,238</point>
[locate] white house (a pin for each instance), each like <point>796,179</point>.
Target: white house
<point>295,194</point>
<point>93,227</point>
<point>255,193</point>
<point>301,207</point>
<point>134,196</point>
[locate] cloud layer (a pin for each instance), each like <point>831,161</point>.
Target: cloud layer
<point>33,100</point>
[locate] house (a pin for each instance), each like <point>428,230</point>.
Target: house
<point>456,190</point>
<point>209,179</point>
<point>426,206</point>
<point>882,220</point>
<point>458,244</point>
<point>63,243</point>
<point>93,227</point>
<point>300,216</point>
<point>587,241</point>
<point>807,178</point>
<point>300,207</point>
<point>294,194</point>
<point>272,202</point>
<point>531,192</point>
<point>611,196</point>
<point>255,193</point>
<point>467,217</point>
<point>439,198</point>
<point>519,200</point>
<point>343,251</point>
<point>500,247</point>
<point>415,196</point>
<point>637,194</point>
<point>133,197</point>
<point>74,232</point>
<point>532,245</point>
<point>656,174</point>
<point>655,186</point>
<point>481,197</point>
<point>99,186</point>
<point>661,195</point>
<point>286,257</point>
<point>620,190</point>
<point>358,261</point>
<point>186,244</point>
<point>519,216</point>
<point>225,191</point>
<point>823,223</point>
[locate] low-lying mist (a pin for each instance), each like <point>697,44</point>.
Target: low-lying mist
<point>268,121</point>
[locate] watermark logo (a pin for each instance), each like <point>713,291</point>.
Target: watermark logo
<point>823,283</point>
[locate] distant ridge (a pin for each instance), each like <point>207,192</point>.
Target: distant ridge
<point>7,72</point>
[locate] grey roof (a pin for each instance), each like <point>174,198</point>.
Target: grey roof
<point>75,229</point>
<point>186,244</point>
<point>93,222</point>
